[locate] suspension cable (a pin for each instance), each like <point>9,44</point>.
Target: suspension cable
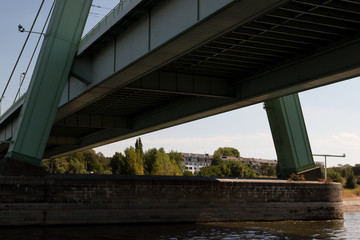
<point>38,41</point>
<point>17,61</point>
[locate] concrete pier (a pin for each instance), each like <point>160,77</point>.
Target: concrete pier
<point>95,199</point>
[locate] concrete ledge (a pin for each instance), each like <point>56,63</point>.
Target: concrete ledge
<point>95,199</point>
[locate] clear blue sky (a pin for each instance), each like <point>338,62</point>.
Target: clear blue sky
<point>331,113</point>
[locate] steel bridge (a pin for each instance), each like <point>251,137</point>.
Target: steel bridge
<point>152,64</point>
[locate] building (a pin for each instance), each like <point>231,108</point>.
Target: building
<point>257,162</point>
<point>193,161</point>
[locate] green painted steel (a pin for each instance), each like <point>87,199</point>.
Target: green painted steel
<point>48,80</point>
<point>289,134</point>
<point>103,22</point>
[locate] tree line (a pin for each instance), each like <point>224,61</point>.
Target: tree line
<point>136,161</point>
<point>347,175</point>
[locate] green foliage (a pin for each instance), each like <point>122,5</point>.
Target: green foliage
<point>76,166</point>
<point>356,169</point>
<point>92,162</point>
<point>178,159</point>
<point>334,175</point>
<point>164,166</point>
<point>344,170</point>
<point>267,169</point>
<point>350,182</point>
<point>223,152</point>
<point>216,160</point>
<point>60,165</point>
<point>133,162</point>
<point>227,169</point>
<point>139,146</point>
<point>78,163</point>
<point>227,152</point>
<point>117,163</point>
<point>188,173</point>
<point>211,171</point>
<point>149,160</point>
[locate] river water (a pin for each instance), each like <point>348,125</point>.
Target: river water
<point>339,229</point>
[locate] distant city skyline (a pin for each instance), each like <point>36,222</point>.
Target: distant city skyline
<point>331,113</point>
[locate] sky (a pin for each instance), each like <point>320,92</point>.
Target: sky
<point>331,115</point>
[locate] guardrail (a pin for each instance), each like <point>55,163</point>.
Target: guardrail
<point>112,14</point>
<point>103,22</point>
<point>12,106</point>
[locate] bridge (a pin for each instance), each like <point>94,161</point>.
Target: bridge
<point>153,64</point>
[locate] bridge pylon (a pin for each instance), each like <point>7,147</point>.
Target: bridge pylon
<point>46,87</point>
<point>290,136</point>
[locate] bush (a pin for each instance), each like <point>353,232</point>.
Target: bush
<point>350,182</point>
<point>335,176</point>
<point>296,177</point>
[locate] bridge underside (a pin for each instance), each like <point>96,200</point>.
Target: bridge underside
<point>229,60</point>
<point>297,46</point>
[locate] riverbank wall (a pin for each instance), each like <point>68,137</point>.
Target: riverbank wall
<point>100,199</point>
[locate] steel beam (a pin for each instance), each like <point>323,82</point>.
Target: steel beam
<point>289,134</point>
<point>48,81</point>
<point>94,121</point>
<point>186,84</point>
<point>166,51</point>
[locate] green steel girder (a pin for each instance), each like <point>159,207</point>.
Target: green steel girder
<point>48,80</point>
<point>94,121</point>
<point>289,134</point>
<point>186,84</point>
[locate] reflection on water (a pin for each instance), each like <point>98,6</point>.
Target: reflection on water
<point>339,229</point>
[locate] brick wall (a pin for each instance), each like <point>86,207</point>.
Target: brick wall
<point>92,199</point>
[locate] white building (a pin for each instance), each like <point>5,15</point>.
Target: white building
<point>193,161</point>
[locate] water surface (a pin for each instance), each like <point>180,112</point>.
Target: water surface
<point>336,229</point>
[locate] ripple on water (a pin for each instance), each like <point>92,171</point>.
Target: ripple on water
<point>292,230</point>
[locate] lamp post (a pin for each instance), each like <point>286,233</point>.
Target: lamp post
<point>328,155</point>
<point>22,76</point>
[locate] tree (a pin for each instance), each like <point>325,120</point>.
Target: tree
<point>227,169</point>
<point>76,166</point>
<point>117,163</point>
<point>224,152</point>
<point>350,181</point>
<point>105,162</point>
<point>227,152</point>
<point>356,169</point>
<point>267,169</point>
<point>334,175</point>
<point>139,147</point>
<point>164,166</point>
<point>92,163</point>
<point>133,163</point>
<point>211,171</point>
<point>149,160</point>
<point>178,159</point>
<point>60,165</point>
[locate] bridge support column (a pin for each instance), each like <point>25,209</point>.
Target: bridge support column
<point>289,135</point>
<point>47,83</point>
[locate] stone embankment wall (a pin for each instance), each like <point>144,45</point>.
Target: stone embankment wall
<point>91,199</point>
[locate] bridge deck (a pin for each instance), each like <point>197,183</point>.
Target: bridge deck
<point>214,58</point>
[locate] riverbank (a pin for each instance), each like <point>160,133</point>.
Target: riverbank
<point>351,204</point>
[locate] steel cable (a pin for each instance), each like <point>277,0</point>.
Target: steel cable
<point>17,61</point>
<point>42,32</point>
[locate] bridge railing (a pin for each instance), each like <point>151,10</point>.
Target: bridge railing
<point>112,14</point>
<point>14,105</point>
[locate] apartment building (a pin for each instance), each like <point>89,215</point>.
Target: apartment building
<point>194,161</point>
